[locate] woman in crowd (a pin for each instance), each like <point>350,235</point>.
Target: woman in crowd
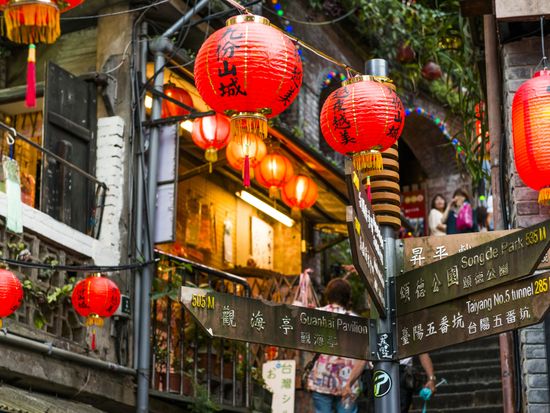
<point>436,213</point>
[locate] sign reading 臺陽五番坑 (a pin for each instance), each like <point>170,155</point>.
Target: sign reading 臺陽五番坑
<point>245,319</point>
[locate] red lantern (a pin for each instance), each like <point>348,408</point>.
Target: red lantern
<point>362,118</point>
<point>95,297</point>
<point>273,172</point>
<point>246,155</point>
<point>531,133</point>
<point>11,293</point>
<point>431,71</point>
<point>181,95</point>
<point>34,21</point>
<point>300,192</point>
<point>211,133</point>
<point>250,71</point>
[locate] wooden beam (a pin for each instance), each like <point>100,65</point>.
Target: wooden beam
<point>472,8</point>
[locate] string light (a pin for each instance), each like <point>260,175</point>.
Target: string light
<point>333,75</point>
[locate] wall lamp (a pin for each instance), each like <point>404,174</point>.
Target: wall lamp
<point>265,208</point>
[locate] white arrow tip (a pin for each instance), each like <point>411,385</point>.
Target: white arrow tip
<point>210,331</point>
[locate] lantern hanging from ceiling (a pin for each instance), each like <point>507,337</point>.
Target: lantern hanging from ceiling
<point>11,293</point>
<point>30,22</point>
<point>211,133</point>
<point>362,118</point>
<point>300,192</point>
<point>249,71</point>
<point>245,155</point>
<point>273,171</point>
<point>181,95</point>
<point>95,297</point>
<point>531,133</point>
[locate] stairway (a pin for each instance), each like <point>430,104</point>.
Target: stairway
<point>472,371</point>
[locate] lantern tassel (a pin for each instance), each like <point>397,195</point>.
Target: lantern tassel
<point>30,97</point>
<point>369,193</point>
<point>246,172</point>
<point>295,213</point>
<point>246,123</point>
<point>273,192</point>
<point>368,160</point>
<point>544,196</point>
<point>93,340</point>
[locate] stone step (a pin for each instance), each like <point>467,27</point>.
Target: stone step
<point>452,364</point>
<point>470,374</point>
<point>478,399</point>
<point>485,409</point>
<point>452,388</point>
<point>457,354</point>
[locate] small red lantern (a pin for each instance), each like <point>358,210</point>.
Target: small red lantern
<point>300,192</point>
<point>273,171</point>
<point>246,155</point>
<point>181,95</point>
<point>249,71</point>
<point>34,21</point>
<point>95,297</point>
<point>211,133</point>
<point>531,133</point>
<point>362,118</point>
<point>431,71</point>
<point>11,293</point>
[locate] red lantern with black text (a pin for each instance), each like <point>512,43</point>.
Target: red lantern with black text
<point>30,22</point>
<point>95,298</point>
<point>11,293</point>
<point>362,118</point>
<point>249,71</point>
<point>273,172</point>
<point>246,155</point>
<point>531,133</point>
<point>211,133</point>
<point>170,109</point>
<point>300,192</point>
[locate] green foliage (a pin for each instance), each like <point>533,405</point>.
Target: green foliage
<point>201,402</point>
<point>170,286</point>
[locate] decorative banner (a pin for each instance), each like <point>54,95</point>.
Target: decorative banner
<point>245,319</point>
<point>499,261</point>
<point>414,204</point>
<point>493,311</point>
<point>279,376</point>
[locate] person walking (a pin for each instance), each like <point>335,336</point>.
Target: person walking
<point>333,379</point>
<point>459,216</point>
<point>407,385</point>
<point>439,204</point>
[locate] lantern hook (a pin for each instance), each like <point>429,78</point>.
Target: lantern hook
<point>10,138</point>
<point>544,60</point>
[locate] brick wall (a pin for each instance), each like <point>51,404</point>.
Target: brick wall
<point>519,60</point>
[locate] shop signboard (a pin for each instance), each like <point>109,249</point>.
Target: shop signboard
<point>246,319</point>
<point>492,311</point>
<point>502,260</point>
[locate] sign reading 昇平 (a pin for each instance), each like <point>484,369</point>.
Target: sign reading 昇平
<point>245,319</point>
<point>500,261</point>
<point>279,376</point>
<point>493,311</point>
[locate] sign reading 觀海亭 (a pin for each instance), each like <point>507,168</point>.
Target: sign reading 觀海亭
<point>499,261</point>
<point>365,261</point>
<point>496,310</point>
<point>245,319</point>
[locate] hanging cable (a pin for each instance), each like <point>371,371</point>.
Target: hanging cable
<point>77,268</point>
<point>116,13</point>
<point>544,60</point>
<point>324,23</point>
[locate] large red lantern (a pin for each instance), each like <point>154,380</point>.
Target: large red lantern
<point>181,95</point>
<point>30,22</point>
<point>362,118</point>
<point>531,133</point>
<point>300,192</point>
<point>11,293</point>
<point>95,297</point>
<point>273,171</point>
<point>211,133</point>
<point>246,155</point>
<point>249,71</point>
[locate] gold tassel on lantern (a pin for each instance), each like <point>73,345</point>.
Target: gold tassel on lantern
<point>32,21</point>
<point>544,196</point>
<point>244,123</point>
<point>368,160</point>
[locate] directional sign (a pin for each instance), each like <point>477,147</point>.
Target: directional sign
<point>367,245</point>
<point>245,319</point>
<point>365,261</point>
<point>502,260</point>
<point>420,251</point>
<point>489,312</point>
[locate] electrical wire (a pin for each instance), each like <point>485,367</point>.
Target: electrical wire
<point>77,268</point>
<point>323,23</point>
<point>116,13</point>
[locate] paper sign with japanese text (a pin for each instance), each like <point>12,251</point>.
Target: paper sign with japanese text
<point>279,376</point>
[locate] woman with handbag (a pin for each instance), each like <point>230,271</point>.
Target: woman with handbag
<point>333,379</point>
<point>459,215</point>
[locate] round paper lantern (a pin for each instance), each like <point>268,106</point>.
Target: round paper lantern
<point>181,95</point>
<point>33,21</point>
<point>245,155</point>
<point>249,71</point>
<point>531,133</point>
<point>362,118</point>
<point>431,71</point>
<point>300,192</point>
<point>211,133</point>
<point>95,297</point>
<point>11,293</point>
<point>273,171</point>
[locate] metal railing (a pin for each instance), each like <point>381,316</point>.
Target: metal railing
<point>187,362</point>
<point>94,215</point>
